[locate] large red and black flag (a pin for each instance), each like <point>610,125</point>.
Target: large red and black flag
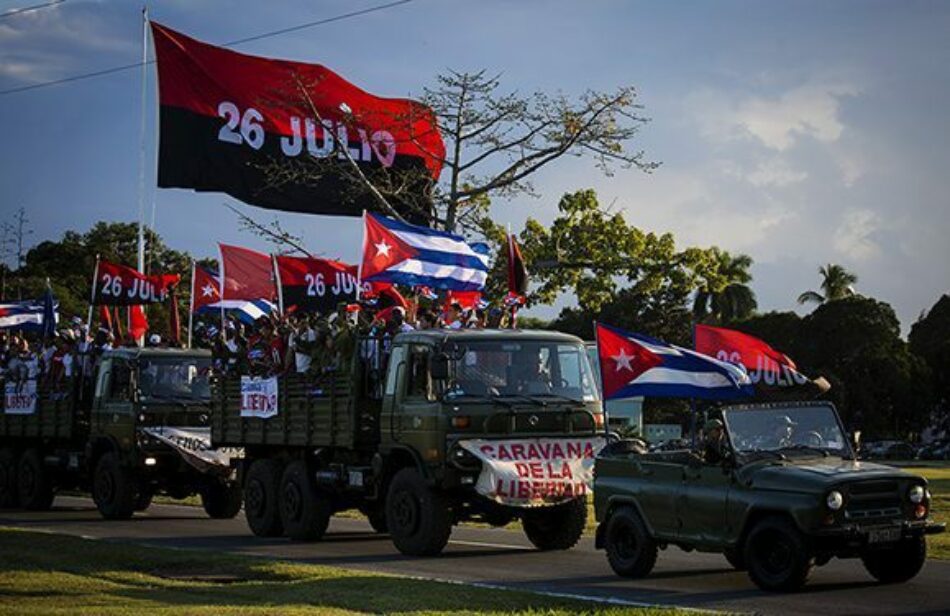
<point>312,284</point>
<point>232,122</point>
<point>119,285</point>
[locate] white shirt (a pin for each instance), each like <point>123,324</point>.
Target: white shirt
<point>302,360</point>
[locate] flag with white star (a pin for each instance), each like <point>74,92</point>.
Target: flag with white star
<point>411,255</point>
<point>636,365</point>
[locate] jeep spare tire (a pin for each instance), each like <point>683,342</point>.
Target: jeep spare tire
<point>556,528</point>
<point>631,551</point>
<point>417,516</point>
<point>777,556</point>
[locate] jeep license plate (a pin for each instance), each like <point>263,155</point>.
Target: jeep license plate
<point>884,535</point>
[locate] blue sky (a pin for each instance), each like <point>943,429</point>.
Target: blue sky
<point>799,132</point>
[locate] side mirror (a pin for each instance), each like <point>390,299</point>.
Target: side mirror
<point>439,366</point>
<point>856,440</point>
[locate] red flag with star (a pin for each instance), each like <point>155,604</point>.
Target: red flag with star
<point>206,289</point>
<point>381,248</point>
<point>621,360</point>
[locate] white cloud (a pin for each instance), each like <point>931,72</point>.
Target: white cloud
<point>855,236</point>
<point>775,122</point>
<point>774,172</point>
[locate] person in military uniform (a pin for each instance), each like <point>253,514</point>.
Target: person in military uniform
<point>784,430</point>
<point>714,449</point>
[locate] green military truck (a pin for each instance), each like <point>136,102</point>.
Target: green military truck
<point>786,494</point>
<point>420,432</point>
<point>138,428</point>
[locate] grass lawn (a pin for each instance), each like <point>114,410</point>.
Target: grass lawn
<point>56,574</point>
<point>938,546</point>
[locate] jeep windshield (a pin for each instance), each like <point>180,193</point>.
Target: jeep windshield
<point>175,379</point>
<point>786,431</point>
<point>537,372</point>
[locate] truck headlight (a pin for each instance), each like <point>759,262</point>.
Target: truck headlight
<point>834,500</point>
<point>916,494</point>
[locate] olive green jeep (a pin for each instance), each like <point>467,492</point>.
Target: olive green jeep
<point>785,494</point>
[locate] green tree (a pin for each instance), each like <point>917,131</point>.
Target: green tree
<point>727,297</point>
<point>837,283</point>
<point>930,338</point>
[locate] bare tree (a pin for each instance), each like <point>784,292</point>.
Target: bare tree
<point>494,142</point>
<point>273,232</point>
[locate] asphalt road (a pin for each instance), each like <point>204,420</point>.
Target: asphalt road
<point>505,558</point>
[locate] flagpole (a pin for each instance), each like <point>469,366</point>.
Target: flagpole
<point>359,266</point>
<point>92,295</point>
<point>280,285</point>
<point>600,374</point>
<point>191,303</point>
<point>141,234</point>
<point>221,287</point>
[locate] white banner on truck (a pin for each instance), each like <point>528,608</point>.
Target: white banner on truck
<point>258,397</point>
<point>535,472</point>
<point>194,445</point>
<point>19,397</point>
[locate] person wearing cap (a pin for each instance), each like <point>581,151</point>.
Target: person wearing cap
<point>397,322</point>
<point>784,428</point>
<point>714,442</point>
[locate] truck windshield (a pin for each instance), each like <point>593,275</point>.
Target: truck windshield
<point>786,429</point>
<point>174,378</point>
<point>524,368</point>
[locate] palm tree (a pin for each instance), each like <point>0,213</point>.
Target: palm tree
<point>733,300</point>
<point>837,283</point>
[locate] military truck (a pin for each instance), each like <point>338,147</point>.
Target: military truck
<point>787,494</point>
<point>137,428</point>
<point>420,432</point>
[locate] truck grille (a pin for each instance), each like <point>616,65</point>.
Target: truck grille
<point>873,500</point>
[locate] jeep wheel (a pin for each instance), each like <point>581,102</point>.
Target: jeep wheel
<point>34,487</point>
<point>113,489</point>
<point>735,558</point>
<point>631,551</point>
<point>261,497</point>
<point>417,516</point>
<point>899,563</point>
<point>221,500</point>
<point>8,481</point>
<point>556,528</point>
<point>777,556</point>
<point>304,510</point>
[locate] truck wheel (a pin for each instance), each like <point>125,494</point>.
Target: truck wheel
<point>113,489</point>
<point>304,510</point>
<point>631,551</point>
<point>777,556</point>
<point>899,563</point>
<point>143,499</point>
<point>221,501</point>
<point>260,498</point>
<point>558,527</point>
<point>377,518</point>
<point>8,478</point>
<point>34,488</point>
<point>418,517</point>
<point>735,558</point>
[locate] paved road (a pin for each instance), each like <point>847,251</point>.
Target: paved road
<point>504,558</point>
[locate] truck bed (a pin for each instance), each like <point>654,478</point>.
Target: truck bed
<point>57,416</point>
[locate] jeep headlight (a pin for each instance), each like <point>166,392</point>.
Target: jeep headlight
<point>834,500</point>
<point>916,494</point>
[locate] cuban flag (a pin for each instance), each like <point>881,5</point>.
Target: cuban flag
<point>206,299</point>
<point>29,315</point>
<point>636,365</point>
<point>410,255</point>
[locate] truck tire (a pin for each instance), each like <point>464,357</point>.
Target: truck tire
<point>777,556</point>
<point>304,510</point>
<point>143,498</point>
<point>34,485</point>
<point>417,516</point>
<point>556,528</point>
<point>113,489</point>
<point>631,551</point>
<point>8,479</point>
<point>221,501</point>
<point>261,489</point>
<point>899,563</point>
<point>376,516</point>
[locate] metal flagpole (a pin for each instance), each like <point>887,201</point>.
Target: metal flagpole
<point>600,374</point>
<point>141,236</point>
<point>221,287</point>
<point>92,295</point>
<point>280,285</point>
<point>191,303</point>
<point>359,266</point>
